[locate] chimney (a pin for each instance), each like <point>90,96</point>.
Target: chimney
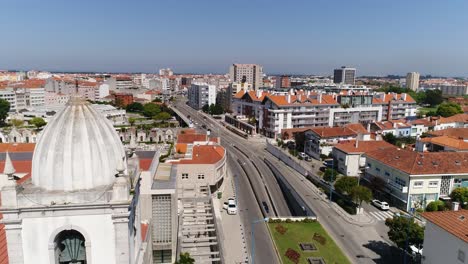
<point>357,143</point>
<point>259,93</point>
<point>403,96</point>
<point>291,91</point>
<point>394,124</point>
<point>288,98</point>
<point>455,206</point>
<point>299,98</point>
<point>368,127</point>
<point>320,98</point>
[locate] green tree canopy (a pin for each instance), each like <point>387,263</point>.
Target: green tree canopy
<point>460,195</point>
<point>402,228</point>
<point>4,109</point>
<point>217,109</point>
<point>134,107</point>
<point>361,194</point>
<point>206,108</point>
<point>449,109</point>
<point>131,121</point>
<point>433,97</point>
<point>344,185</point>
<point>435,206</point>
<point>185,258</point>
<point>38,122</point>
<point>330,175</point>
<point>150,109</point>
<point>163,116</point>
<point>390,138</point>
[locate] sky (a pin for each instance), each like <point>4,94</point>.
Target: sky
<point>204,36</point>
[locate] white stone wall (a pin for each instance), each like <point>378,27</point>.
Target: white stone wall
<point>37,233</point>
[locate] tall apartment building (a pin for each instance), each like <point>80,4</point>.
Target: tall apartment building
<point>344,75</point>
<point>282,81</point>
<point>200,94</point>
<point>454,89</point>
<point>166,72</point>
<point>298,109</point>
<point>412,80</point>
<point>251,73</point>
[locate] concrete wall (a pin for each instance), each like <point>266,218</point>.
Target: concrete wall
<point>37,234</point>
<point>441,246</point>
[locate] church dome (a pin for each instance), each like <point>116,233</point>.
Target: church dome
<point>78,150</point>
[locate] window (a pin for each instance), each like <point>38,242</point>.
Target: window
<point>201,176</point>
<point>377,169</point>
<point>387,174</point>
<point>369,165</point>
<point>433,184</point>
<point>184,175</point>
<point>400,182</point>
<point>418,184</point>
<point>461,255</point>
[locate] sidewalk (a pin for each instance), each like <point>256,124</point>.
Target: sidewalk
<point>233,243</point>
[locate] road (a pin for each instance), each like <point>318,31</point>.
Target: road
<point>362,244</point>
<point>256,182</point>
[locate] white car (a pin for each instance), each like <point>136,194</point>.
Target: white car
<point>232,207</point>
<point>381,205</point>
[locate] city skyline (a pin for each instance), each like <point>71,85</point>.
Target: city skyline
<point>299,38</point>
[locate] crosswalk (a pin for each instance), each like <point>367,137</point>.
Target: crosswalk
<point>381,215</point>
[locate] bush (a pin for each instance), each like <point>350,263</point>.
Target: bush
<point>436,206</point>
<point>288,220</point>
<point>309,220</point>
<point>319,238</point>
<point>293,255</point>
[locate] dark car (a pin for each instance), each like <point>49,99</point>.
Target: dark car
<point>265,206</point>
<point>203,126</point>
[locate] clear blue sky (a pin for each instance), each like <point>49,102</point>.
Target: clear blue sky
<point>310,36</point>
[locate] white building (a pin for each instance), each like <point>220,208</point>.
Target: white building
<point>250,73</point>
<point>454,89</point>
<point>77,208</point>
<point>446,237</point>
<point>200,94</point>
<point>412,81</point>
<point>412,179</point>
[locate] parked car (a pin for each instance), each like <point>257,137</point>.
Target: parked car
<point>328,163</point>
<point>265,206</point>
<point>381,205</point>
<point>225,205</point>
<point>232,207</point>
<point>303,155</point>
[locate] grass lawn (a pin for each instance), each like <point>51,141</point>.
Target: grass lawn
<point>425,110</point>
<point>303,233</point>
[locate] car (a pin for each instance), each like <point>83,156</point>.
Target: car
<point>225,205</point>
<point>265,206</point>
<point>203,126</point>
<point>328,163</point>
<point>381,205</point>
<point>232,207</point>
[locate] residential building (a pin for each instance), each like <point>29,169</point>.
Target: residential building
<point>454,90</point>
<point>123,99</point>
<point>411,180</point>
<point>166,72</point>
<point>223,98</point>
<point>349,155</point>
<point>282,81</point>
<point>412,81</point>
<point>320,140</point>
<point>276,111</point>
<point>455,121</point>
<point>238,86</point>
<point>451,139</point>
<point>56,99</point>
<point>344,75</point>
<point>201,94</point>
<point>446,237</point>
<point>399,128</point>
<point>123,82</point>
<point>250,73</point>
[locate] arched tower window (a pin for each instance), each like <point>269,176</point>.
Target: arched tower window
<point>70,248</point>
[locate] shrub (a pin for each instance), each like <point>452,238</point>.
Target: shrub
<point>435,206</point>
<point>319,238</point>
<point>288,220</point>
<point>309,220</point>
<point>281,229</point>
<point>293,255</point>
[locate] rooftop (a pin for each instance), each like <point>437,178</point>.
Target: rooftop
<point>360,147</point>
<point>204,154</point>
<point>447,141</point>
<point>454,222</point>
<point>416,163</point>
<point>347,130</point>
<point>451,132</point>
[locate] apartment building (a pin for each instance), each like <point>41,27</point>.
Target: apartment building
<point>201,94</point>
<point>454,89</point>
<point>412,81</point>
<point>297,108</point>
<point>344,75</point>
<point>451,139</point>
<point>411,180</point>
<point>250,73</point>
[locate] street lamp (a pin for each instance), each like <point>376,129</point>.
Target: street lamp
<point>263,220</point>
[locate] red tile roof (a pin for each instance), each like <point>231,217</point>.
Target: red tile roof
<point>145,164</point>
<point>461,133</point>
<point>447,141</point>
<point>359,146</point>
<point>416,163</point>
<point>190,138</point>
<point>459,118</point>
<point>204,154</point>
<point>331,132</point>
<point>17,147</point>
<point>454,222</point>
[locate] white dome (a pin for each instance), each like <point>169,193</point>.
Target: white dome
<point>79,149</point>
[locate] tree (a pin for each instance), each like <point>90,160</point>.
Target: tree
<point>433,97</point>
<point>361,194</point>
<point>16,122</point>
<point>131,121</point>
<point>299,138</point>
<point>344,185</point>
<point>402,228</point>
<point>163,116</point>
<point>329,175</point>
<point>206,108</point>
<point>435,206</point>
<point>449,109</point>
<point>150,109</point>
<point>390,138</point>
<point>134,107</point>
<point>185,258</point>
<point>460,195</point>
<point>38,122</point>
<point>212,109</point>
<point>157,100</point>
<point>217,110</point>
<point>4,109</point>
